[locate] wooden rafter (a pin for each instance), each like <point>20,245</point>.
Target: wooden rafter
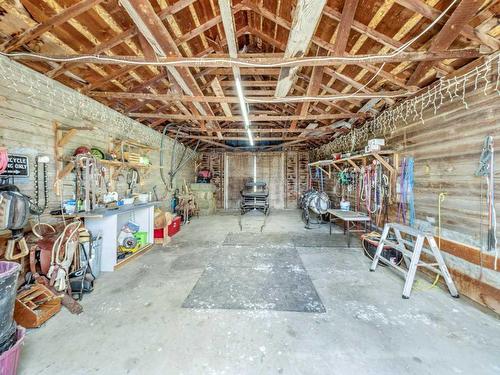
<point>465,10</point>
<point>151,26</point>
<point>419,6</point>
<point>306,17</point>
<point>335,116</point>
<point>153,95</point>
<point>344,26</point>
<point>50,23</point>
<point>263,63</point>
<point>314,88</point>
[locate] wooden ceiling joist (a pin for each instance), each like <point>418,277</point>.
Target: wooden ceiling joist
<point>310,97</point>
<point>153,29</point>
<point>333,116</point>
<point>60,18</point>
<point>259,65</point>
<point>327,97</point>
<point>305,20</point>
<point>344,26</point>
<point>419,6</point>
<point>465,10</point>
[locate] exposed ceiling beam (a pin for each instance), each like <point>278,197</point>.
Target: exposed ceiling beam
<point>306,18</point>
<point>219,93</point>
<point>262,63</point>
<point>153,29</point>
<point>266,130</point>
<point>420,7</point>
<point>363,29</point>
<point>251,99</point>
<point>168,116</point>
<point>122,37</point>
<point>312,90</point>
<point>232,47</point>
<point>234,138</point>
<point>462,14</point>
<point>60,18</point>
<point>344,26</point>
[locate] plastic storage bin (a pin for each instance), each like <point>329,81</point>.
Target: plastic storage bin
<point>158,233</point>
<point>142,238</point>
<point>175,226</point>
<point>9,360</point>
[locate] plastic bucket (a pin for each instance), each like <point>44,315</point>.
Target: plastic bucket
<point>9,360</point>
<point>9,272</point>
<point>142,238</point>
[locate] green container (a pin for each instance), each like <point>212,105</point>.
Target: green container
<point>141,237</point>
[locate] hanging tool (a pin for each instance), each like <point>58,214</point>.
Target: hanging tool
<point>44,160</point>
<point>486,169</point>
<point>132,180</point>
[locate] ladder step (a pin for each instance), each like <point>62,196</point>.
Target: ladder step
<point>388,262</point>
<point>396,246</point>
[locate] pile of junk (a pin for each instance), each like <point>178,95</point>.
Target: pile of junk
<point>44,267</point>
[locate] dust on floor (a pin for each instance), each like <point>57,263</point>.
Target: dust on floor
<point>134,322</point>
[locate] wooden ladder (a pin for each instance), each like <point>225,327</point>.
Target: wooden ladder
<point>417,246</point>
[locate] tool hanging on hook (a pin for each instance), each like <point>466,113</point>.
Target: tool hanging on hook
<point>44,160</point>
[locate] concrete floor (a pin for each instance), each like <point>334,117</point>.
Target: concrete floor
<point>133,322</point>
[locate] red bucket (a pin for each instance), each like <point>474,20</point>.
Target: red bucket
<point>10,359</point>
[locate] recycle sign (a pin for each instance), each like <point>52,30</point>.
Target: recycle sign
<point>18,166</point>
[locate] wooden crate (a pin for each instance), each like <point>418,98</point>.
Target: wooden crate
<point>35,306</point>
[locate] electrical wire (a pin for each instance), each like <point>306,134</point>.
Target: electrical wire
<point>229,61</point>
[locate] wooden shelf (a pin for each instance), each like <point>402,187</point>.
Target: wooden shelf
<point>133,144</point>
<point>117,163</point>
<point>361,157</point>
<point>114,163</point>
<point>132,256</point>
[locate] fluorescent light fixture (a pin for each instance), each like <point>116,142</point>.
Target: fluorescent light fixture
<point>250,137</point>
<point>243,106</point>
<point>244,110</point>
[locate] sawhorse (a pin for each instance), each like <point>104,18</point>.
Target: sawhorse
<point>403,246</point>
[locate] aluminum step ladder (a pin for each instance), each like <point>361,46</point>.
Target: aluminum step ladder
<point>411,250</point>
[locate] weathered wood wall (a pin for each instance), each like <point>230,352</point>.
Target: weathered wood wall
<point>446,148</point>
<point>30,102</point>
<point>238,169</point>
<point>285,173</point>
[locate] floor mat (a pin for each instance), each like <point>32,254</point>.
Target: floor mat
<point>259,279</point>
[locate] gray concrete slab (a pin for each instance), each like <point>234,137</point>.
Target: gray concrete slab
<point>134,322</point>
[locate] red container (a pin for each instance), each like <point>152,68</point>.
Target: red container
<point>159,233</point>
<point>174,226</point>
<point>10,359</point>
